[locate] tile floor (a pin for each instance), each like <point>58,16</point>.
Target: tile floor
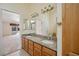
<point>20,52</point>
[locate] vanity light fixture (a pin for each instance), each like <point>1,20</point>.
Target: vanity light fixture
<point>46,9</point>
<point>32,21</point>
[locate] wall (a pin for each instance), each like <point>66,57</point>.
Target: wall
<point>53,21</point>
<point>20,8</point>
<point>0,24</point>
<point>59,29</point>
<point>8,18</point>
<point>6,29</point>
<point>1,32</point>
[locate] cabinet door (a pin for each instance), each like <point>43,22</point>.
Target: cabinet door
<point>31,52</point>
<point>47,51</point>
<point>22,43</point>
<point>26,45</point>
<point>37,52</point>
<point>70,28</point>
<point>45,54</point>
<point>30,47</point>
<point>37,49</point>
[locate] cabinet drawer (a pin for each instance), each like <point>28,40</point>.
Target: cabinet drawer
<point>37,46</point>
<point>30,42</point>
<point>26,42</point>
<point>48,51</point>
<point>45,54</point>
<point>30,52</point>
<point>30,47</point>
<point>23,37</point>
<point>22,43</point>
<point>26,45</point>
<point>37,52</point>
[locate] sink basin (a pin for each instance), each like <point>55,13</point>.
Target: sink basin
<point>47,41</point>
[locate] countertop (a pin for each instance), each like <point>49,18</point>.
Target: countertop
<point>40,39</point>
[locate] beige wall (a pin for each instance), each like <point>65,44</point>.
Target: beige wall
<point>8,18</point>
<point>52,21</point>
<point>6,29</point>
<point>21,9</point>
<point>59,30</point>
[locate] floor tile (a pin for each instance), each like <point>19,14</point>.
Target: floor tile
<point>19,53</point>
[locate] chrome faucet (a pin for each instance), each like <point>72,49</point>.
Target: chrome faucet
<point>50,37</point>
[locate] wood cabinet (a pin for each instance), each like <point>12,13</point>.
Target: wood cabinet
<point>48,52</point>
<point>26,45</point>
<point>30,47</point>
<point>37,49</point>
<point>23,43</point>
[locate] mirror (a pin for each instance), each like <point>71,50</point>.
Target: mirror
<point>48,23</point>
<point>26,24</point>
<point>29,24</point>
<point>42,23</point>
<point>33,24</point>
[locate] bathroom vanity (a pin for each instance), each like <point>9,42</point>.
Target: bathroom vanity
<point>36,46</point>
